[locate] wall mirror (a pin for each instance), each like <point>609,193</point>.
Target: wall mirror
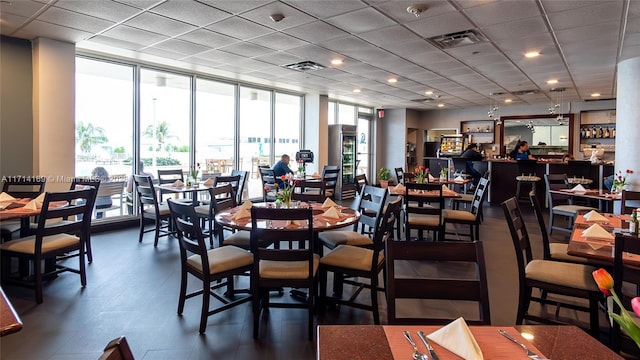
<point>547,135</point>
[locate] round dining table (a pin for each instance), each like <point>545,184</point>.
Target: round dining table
<point>321,222</point>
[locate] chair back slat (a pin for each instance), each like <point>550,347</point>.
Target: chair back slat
<point>189,231</point>
<point>268,178</point>
<point>479,196</point>
<point>361,181</point>
<point>630,200</point>
<point>519,235</point>
<point>330,174</point>
<point>436,287</point>
<point>309,191</point>
<point>372,200</point>
<point>77,214</point>
<point>233,180</point>
<point>24,187</point>
<point>537,209</point>
<point>169,176</point>
<point>302,235</point>
<point>243,180</point>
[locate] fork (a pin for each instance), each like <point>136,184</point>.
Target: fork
<point>530,354</point>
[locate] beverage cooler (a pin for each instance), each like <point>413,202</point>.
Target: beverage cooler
<point>342,152</point>
<point>452,145</point>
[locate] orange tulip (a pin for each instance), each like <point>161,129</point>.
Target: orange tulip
<point>604,281</point>
<point>283,177</point>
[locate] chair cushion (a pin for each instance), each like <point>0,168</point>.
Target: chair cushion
<point>464,198</point>
<point>559,253</point>
<point>351,257</point>
<point>458,215</point>
<point>575,276</point>
<point>10,226</point>
<point>222,259</point>
<point>239,238</point>
<point>202,210</point>
<point>49,243</point>
<point>270,269</point>
<point>162,208</point>
<point>425,220</point>
<point>571,209</point>
<point>335,238</point>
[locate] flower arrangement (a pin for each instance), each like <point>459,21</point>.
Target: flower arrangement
<point>283,195</point>
<point>421,174</point>
<point>444,170</point>
<point>194,171</point>
<point>605,284</point>
<point>301,168</point>
<point>620,180</point>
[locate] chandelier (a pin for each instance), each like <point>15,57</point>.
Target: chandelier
<point>556,105</point>
<point>494,107</point>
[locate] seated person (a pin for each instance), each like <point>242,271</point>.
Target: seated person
<point>472,154</point>
<point>521,152</point>
<point>130,183</point>
<point>281,168</point>
<point>608,181</point>
<point>102,202</point>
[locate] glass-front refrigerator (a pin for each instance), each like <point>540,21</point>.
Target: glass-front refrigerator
<point>451,145</point>
<point>343,152</point>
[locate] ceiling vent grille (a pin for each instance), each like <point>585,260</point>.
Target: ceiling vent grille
<point>461,38</point>
<point>525,92</point>
<point>304,66</point>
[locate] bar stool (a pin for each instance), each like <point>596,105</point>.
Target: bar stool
<point>527,171</point>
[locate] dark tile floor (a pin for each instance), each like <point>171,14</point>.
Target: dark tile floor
<point>133,289</point>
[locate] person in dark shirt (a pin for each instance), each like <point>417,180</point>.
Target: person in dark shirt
<point>521,152</point>
<point>472,154</point>
<point>281,168</point>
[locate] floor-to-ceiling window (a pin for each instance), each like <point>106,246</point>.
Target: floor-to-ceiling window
<point>215,126</point>
<point>255,135</point>
<point>104,129</point>
<point>365,117</point>
<point>165,103</point>
<point>287,126</point>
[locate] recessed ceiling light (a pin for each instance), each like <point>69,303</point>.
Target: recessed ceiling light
<point>532,54</point>
<point>392,80</point>
<point>336,62</point>
<point>595,95</point>
<point>356,90</point>
<point>428,92</point>
<point>508,100</point>
<point>441,105</point>
<point>552,81</point>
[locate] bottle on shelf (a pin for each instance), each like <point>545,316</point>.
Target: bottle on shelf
<point>613,133</point>
<point>606,133</point>
<point>633,224</point>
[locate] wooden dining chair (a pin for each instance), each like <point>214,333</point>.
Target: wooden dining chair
<point>550,277</point>
<point>312,191</point>
<point>216,267</point>
<point>169,176</point>
<point>429,287</point>
<point>471,217</point>
<point>54,240</point>
<point>370,204</point>
<point>420,217</point>
<point>630,200</point>
<point>361,181</point>
<point>566,209</point>
<point>351,263</point>
<point>268,178</point>
<point>19,187</point>
<point>151,208</point>
<point>276,268</point>
<point>330,174</point>
<point>241,185</point>
<point>117,349</point>
<point>399,175</point>
<point>222,199</point>
<point>626,284</point>
<point>233,180</point>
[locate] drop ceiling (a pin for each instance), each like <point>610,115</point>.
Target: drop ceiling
<point>579,41</point>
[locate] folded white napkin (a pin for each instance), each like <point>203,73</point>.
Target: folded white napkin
<point>6,197</point>
<point>246,205</point>
<point>579,188</point>
<point>445,188</point>
<point>594,216</point>
<point>331,213</point>
<point>596,231</point>
<point>328,203</point>
<point>36,203</point>
<point>457,338</point>
<point>431,178</point>
<point>458,179</point>
<point>242,214</point>
<point>178,183</point>
<point>209,182</point>
<point>399,188</point>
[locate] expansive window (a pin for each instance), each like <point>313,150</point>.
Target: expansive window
<point>215,126</point>
<point>104,130</point>
<point>174,121</point>
<point>164,120</point>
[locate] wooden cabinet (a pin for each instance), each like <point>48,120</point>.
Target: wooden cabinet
<point>478,131</point>
<point>598,129</point>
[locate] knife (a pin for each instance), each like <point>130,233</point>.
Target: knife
<point>426,343</point>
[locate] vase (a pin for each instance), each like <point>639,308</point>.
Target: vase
<point>443,177</point>
<point>195,182</point>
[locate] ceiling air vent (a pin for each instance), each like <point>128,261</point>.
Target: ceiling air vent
<point>525,92</point>
<point>456,39</point>
<point>304,66</point>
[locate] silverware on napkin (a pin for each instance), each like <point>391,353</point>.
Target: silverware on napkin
<point>530,354</point>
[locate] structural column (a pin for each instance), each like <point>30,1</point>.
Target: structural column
<point>628,120</point>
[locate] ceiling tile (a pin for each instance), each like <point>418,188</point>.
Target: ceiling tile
<point>398,9</point>
<point>181,47</point>
<point>603,12</point>
<point>108,10</point>
<point>162,53</point>
<point>246,49</point>
<point>314,53</point>
<point>279,41</point>
<point>56,32</point>
<point>117,43</point>
<point>502,12</point>
<point>190,12</point>
<point>440,25</point>
<point>9,23</point>
<point>208,38</point>
<point>279,58</point>
<point>519,29</point>
<point>24,8</point>
<point>292,16</point>
<point>317,31</point>
<point>131,34</point>
<point>220,56</point>
<point>390,35</point>
<point>239,28</point>
<point>327,8</point>
<point>360,21</point>
<point>77,21</point>
<point>159,24</point>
